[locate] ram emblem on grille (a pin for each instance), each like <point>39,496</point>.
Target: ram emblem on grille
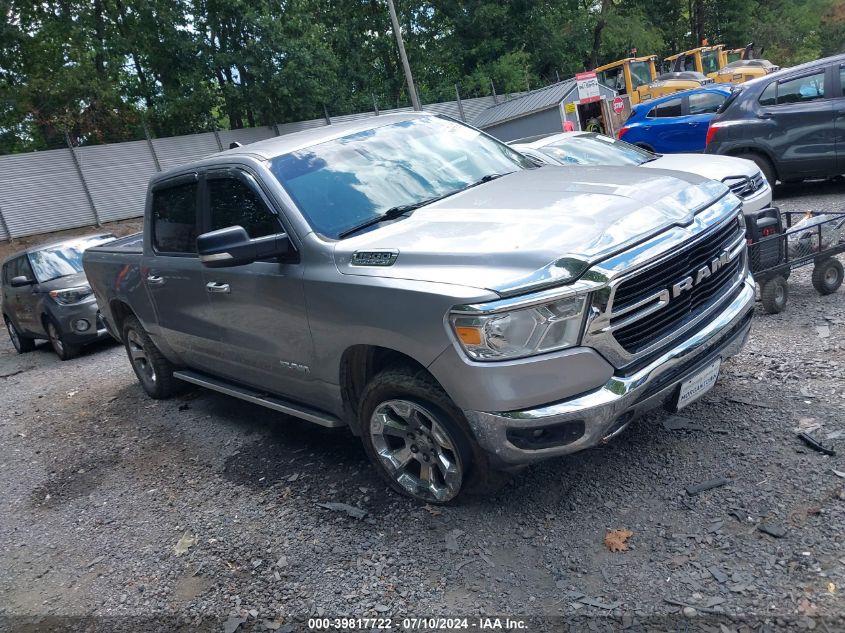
<point>708,270</point>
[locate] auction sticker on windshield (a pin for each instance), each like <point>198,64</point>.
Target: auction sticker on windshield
<point>702,382</point>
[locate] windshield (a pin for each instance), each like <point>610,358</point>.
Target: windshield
<point>595,149</point>
<point>345,182</point>
<point>63,259</point>
<point>640,74</point>
<point>709,62</point>
<point>734,57</point>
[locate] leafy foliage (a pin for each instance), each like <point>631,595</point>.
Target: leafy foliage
<point>100,70</point>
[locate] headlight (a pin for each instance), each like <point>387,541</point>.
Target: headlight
<point>521,332</point>
<point>69,296</point>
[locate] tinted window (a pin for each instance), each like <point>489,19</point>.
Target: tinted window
<point>341,183</point>
<point>19,267</point>
<point>705,103</point>
<point>669,109</point>
<point>770,95</point>
<point>842,80</point>
<point>175,219</point>
<point>234,203</point>
<point>802,89</point>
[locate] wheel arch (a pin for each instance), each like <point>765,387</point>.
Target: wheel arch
<point>358,365</point>
<point>755,149</point>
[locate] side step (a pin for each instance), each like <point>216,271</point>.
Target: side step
<point>256,397</point>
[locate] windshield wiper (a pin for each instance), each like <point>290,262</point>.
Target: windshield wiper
<point>404,209</point>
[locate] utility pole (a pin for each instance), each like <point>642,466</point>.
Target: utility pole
<point>408,77</point>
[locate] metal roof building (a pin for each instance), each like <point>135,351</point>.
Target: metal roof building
<point>540,111</point>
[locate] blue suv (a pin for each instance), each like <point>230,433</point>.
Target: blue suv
<point>676,122</point>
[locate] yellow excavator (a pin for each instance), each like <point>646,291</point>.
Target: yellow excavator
<point>707,60</point>
<point>637,77</point>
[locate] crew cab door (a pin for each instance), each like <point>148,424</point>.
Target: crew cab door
<point>260,307</point>
<point>839,113</point>
<point>799,117</point>
<point>700,109</point>
<point>173,274</point>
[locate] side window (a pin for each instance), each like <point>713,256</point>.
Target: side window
<point>669,109</point>
<point>24,268</point>
<point>234,203</point>
<point>770,95</point>
<point>842,80</point>
<point>706,102</point>
<point>4,274</point>
<point>175,219</point>
<point>809,88</point>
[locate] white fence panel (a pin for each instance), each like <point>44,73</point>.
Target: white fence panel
<point>42,192</point>
<point>178,150</point>
<point>117,177</point>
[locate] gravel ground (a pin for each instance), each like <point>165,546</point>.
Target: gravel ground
<point>98,484</point>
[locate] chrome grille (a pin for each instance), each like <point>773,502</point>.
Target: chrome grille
<point>744,187</point>
<point>643,290</point>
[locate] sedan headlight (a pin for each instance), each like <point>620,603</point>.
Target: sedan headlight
<point>537,329</point>
<point>70,296</point>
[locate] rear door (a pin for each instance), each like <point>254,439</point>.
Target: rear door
<point>701,108</point>
<point>667,127</point>
<point>259,307</point>
<point>839,113</point>
<point>800,124</point>
<point>173,275</point>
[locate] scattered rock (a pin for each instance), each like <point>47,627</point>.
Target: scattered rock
<point>694,489</point>
<point>355,513</point>
<point>772,529</point>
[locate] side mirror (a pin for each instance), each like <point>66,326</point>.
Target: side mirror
<point>232,246</point>
<point>21,280</point>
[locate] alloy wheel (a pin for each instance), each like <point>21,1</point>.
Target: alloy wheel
<point>55,339</point>
<point>138,356</point>
<point>416,450</point>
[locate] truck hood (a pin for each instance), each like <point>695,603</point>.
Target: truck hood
<point>707,165</point>
<point>530,229</point>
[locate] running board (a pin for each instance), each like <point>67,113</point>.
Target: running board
<point>256,397</point>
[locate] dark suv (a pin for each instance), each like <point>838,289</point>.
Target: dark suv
<point>791,122</point>
<point>46,295</point>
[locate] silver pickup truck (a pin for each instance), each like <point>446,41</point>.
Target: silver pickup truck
<point>460,309</point>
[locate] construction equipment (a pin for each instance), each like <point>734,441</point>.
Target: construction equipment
<point>741,64</point>
<point>627,76</point>
<point>707,60</point>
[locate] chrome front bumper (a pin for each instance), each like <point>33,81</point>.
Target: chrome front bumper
<point>605,412</point>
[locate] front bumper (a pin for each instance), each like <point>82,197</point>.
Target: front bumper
<point>88,311</point>
<point>515,438</point>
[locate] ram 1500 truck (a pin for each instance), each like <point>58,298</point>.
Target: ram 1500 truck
<point>460,309</point>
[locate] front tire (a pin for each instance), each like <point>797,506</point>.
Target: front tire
<point>21,343</point>
<point>415,436</point>
<point>827,276</point>
<point>154,371</point>
<point>63,349</point>
<point>763,163</point>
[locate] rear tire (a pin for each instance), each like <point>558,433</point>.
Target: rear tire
<point>763,163</point>
<point>827,276</point>
<point>154,371</point>
<point>415,436</point>
<point>774,294</point>
<point>21,343</point>
<point>63,349</point>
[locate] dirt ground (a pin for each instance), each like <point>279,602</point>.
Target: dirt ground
<point>120,508</point>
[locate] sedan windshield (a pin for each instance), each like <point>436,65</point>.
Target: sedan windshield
<point>595,149</point>
<point>64,259</point>
<point>347,182</point>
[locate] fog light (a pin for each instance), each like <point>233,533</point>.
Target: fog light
<point>81,325</point>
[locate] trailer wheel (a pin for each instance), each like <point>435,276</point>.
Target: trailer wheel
<point>774,294</point>
<point>827,276</point>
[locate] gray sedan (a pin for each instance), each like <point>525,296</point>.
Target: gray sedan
<point>46,296</point>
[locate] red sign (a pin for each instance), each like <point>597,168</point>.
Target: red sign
<point>618,105</point>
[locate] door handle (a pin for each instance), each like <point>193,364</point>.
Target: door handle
<point>155,280</point>
<point>213,286</point>
<point>764,115</point>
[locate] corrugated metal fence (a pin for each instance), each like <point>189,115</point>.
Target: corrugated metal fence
<point>41,192</point>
